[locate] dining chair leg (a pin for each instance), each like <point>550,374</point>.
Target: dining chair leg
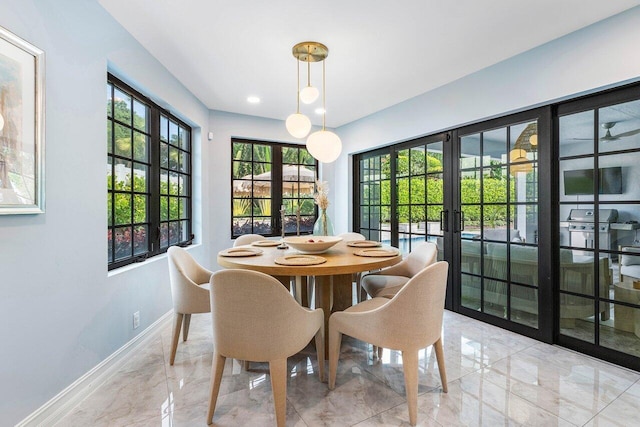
<point>377,351</point>
<point>298,289</point>
<point>335,339</point>
<point>285,280</point>
<point>311,290</point>
<point>305,296</point>
<point>357,278</point>
<point>177,325</point>
<point>440,358</point>
<point>217,368</point>
<point>278,374</point>
<point>185,326</point>
<point>410,368</point>
<point>320,351</point>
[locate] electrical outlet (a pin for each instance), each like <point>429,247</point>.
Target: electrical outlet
<point>136,320</point>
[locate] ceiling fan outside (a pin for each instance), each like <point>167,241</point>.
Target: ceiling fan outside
<point>608,136</point>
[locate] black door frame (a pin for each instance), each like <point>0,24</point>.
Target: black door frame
<point>593,102</point>
<point>544,332</point>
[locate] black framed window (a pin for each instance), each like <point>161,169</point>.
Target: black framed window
<point>148,177</point>
<point>265,177</point>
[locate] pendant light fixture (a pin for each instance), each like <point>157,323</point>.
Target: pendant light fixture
<point>526,143</point>
<point>309,94</point>
<point>298,124</point>
<point>323,145</point>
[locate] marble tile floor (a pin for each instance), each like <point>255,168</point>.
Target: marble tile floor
<point>495,377</point>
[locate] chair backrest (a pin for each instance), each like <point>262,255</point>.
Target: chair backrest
<point>255,318</point>
<point>185,274</point>
<point>632,257</point>
<point>247,239</point>
<point>351,236</point>
<point>413,317</point>
<point>420,257</point>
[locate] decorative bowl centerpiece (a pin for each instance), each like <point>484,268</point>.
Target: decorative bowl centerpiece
<point>312,244</point>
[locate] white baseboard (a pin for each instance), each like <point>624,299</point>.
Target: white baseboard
<point>67,399</point>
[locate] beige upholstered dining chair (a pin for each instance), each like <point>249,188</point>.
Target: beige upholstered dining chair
<point>409,322</point>
<point>189,290</point>
<point>387,282</point>
<point>247,239</point>
<point>254,318</point>
<point>351,236</point>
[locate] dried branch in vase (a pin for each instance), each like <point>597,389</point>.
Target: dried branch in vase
<point>321,195</point>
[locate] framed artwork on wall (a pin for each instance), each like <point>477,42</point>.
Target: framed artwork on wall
<point>21,126</point>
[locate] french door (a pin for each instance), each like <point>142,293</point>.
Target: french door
<point>498,274</point>
<point>599,218</point>
<point>404,194</point>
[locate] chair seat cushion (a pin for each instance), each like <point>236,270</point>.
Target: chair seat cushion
<point>630,270</point>
<point>380,285</point>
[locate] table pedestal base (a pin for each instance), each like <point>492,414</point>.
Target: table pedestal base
<point>332,293</point>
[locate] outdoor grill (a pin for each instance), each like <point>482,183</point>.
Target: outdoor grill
<point>583,228</point>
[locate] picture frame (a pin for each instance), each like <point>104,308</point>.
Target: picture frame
<point>21,126</point>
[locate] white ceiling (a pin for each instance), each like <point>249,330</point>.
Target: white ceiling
<point>381,52</point>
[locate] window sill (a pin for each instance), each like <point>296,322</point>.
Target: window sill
<point>147,262</point>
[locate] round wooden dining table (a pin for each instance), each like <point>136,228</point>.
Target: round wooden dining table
<point>332,278</point>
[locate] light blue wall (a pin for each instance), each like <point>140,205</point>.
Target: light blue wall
<point>62,313</point>
<point>599,56</point>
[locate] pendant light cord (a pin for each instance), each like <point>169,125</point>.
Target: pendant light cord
<point>308,65</point>
<point>298,97</point>
<point>324,100</point>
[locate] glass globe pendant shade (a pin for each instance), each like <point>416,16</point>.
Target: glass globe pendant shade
<point>309,94</point>
<point>298,125</point>
<point>324,146</point>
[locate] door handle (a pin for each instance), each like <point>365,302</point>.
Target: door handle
<point>459,221</point>
<point>444,220</point>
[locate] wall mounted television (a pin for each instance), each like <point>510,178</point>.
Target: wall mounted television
<point>580,181</point>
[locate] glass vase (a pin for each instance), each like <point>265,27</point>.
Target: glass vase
<point>323,225</point>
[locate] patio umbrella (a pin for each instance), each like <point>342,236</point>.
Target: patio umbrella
<point>294,178</point>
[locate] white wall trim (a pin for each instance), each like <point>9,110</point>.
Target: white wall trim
<point>68,398</point>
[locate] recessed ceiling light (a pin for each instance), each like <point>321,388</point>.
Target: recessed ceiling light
<point>320,111</point>
<point>253,100</point>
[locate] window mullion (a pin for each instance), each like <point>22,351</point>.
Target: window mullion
<point>154,183</point>
<point>276,189</point>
